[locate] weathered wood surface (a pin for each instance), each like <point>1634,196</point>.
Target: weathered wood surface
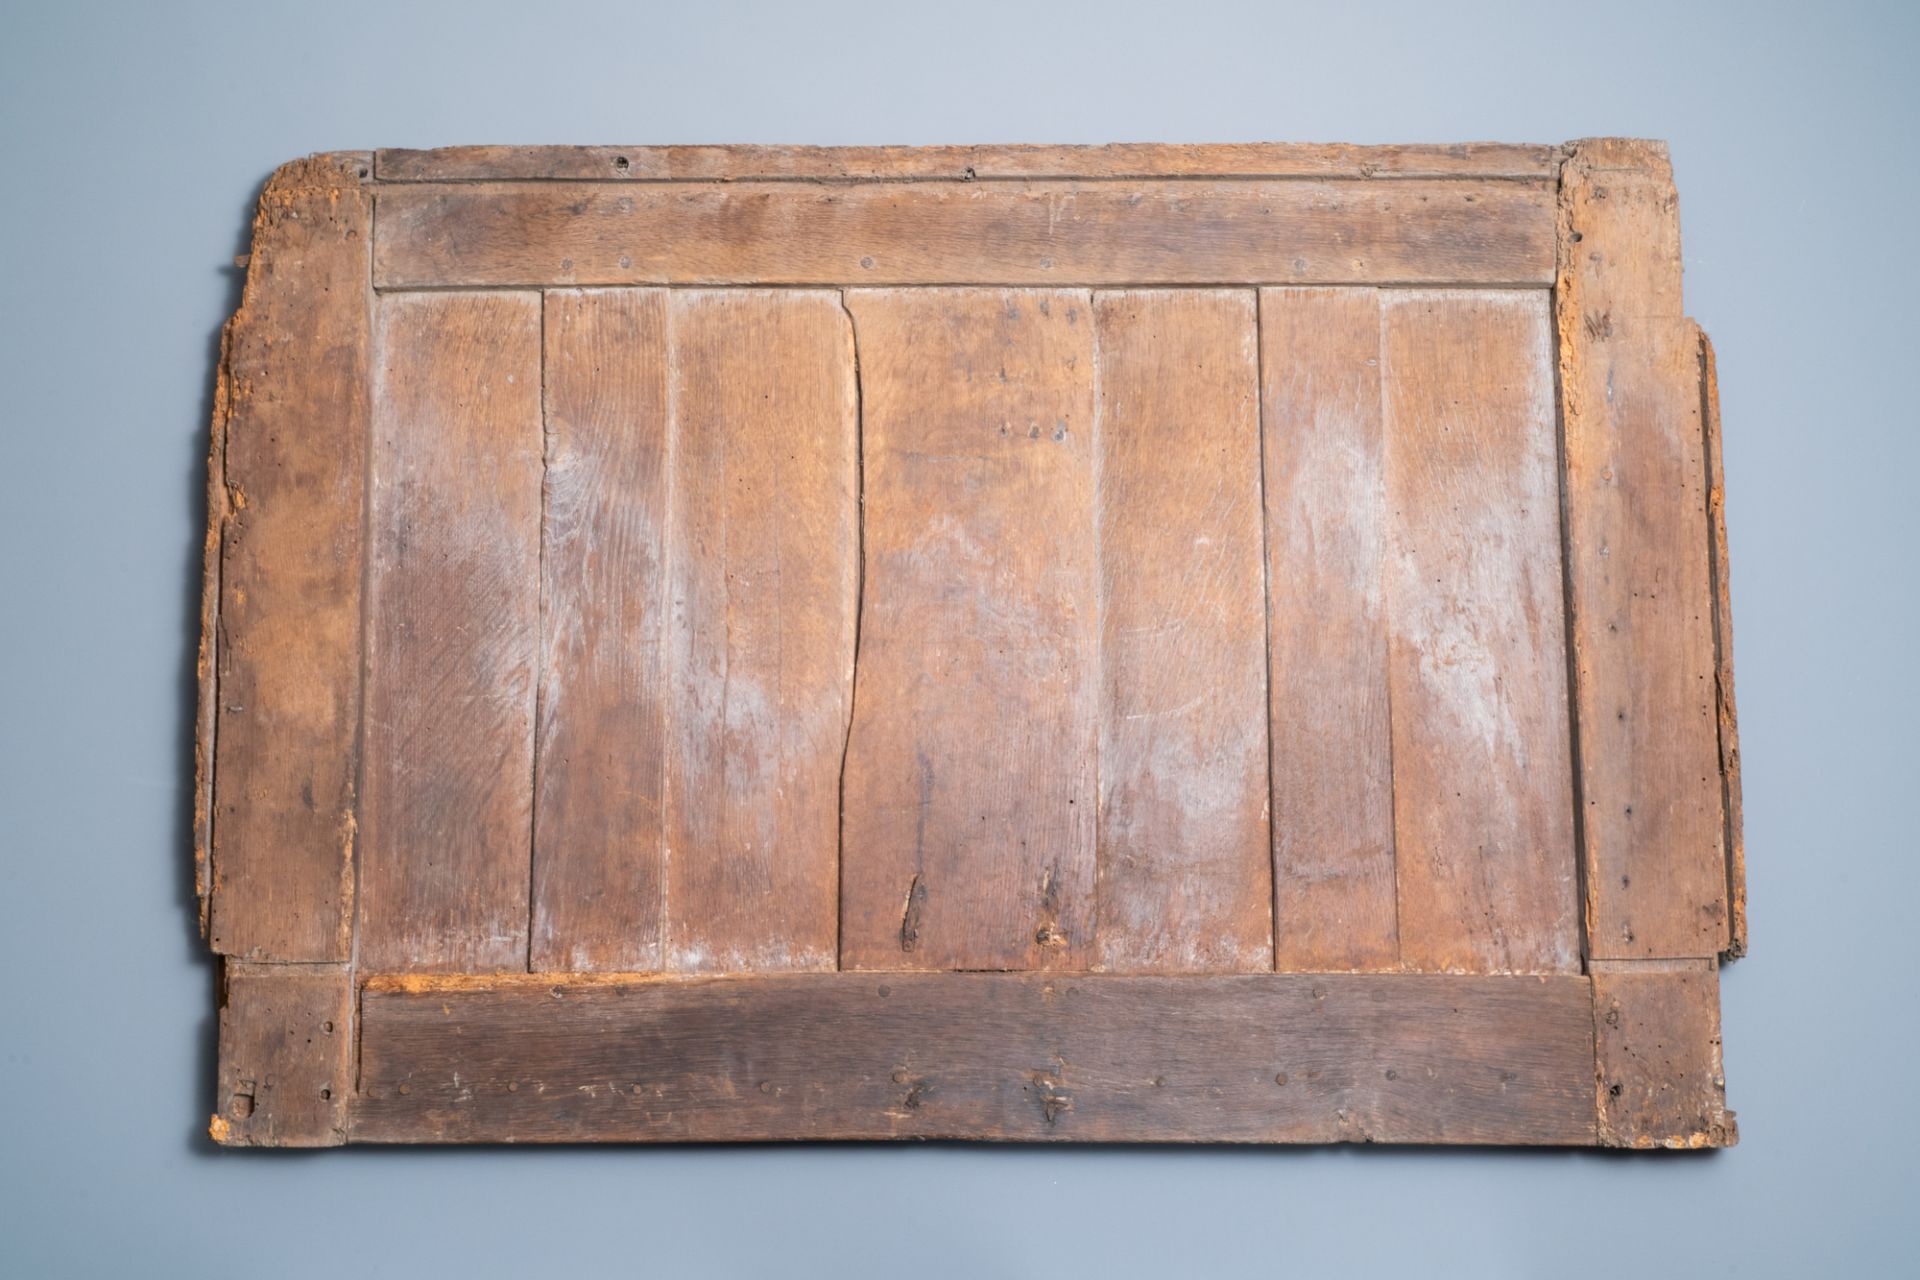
<point>1483,809</point>
<point>970,771</point>
<point>1659,1081</point>
<point>967,164</point>
<point>1183,884</point>
<point>1043,234</point>
<point>453,633</point>
<point>764,545</point>
<point>1640,563</point>
<point>1326,527</point>
<point>280,647</point>
<point>600,756</point>
<point>286,1055</point>
<point>1223,1058</point>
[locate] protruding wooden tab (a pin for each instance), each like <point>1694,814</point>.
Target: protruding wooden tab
<point>286,1056</point>
<point>280,651</point>
<point>1483,810</point>
<point>1327,524</point>
<point>453,635</point>
<point>1026,1057</point>
<point>597,843</point>
<point>1657,1036</point>
<point>1640,562</point>
<point>925,233</point>
<point>970,787</point>
<point>764,599</point>
<point>1184,875</point>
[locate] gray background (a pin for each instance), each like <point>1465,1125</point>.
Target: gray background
<point>135,140</point>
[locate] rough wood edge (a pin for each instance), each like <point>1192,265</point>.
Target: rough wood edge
<point>1723,651</point>
<point>1527,162</point>
<point>323,170</point>
<point>1659,1078</point>
<point>286,1055</point>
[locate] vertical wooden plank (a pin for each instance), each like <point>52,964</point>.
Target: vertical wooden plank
<point>286,1055</point>
<point>1483,813</point>
<point>599,757</point>
<point>970,785</point>
<point>1184,875</point>
<point>1332,742</point>
<point>280,657</point>
<point>1729,718</point>
<point>453,632</point>
<point>1654,823</point>
<point>764,548</point>
<point>1656,1030</point>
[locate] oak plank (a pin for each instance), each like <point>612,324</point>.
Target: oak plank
<point>1483,811</point>
<point>764,601</point>
<point>1639,563</point>
<point>286,1055</point>
<point>968,163</point>
<point>1657,1038</point>
<point>1184,876</point>
<point>600,758</point>
<point>1024,1057</point>
<point>1327,526</point>
<point>970,784</point>
<point>873,234</point>
<point>453,637</point>
<point>280,651</point>
<point>1729,718</point>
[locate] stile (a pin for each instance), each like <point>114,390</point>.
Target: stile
<point>453,638</point>
<point>1483,808</point>
<point>1183,877</point>
<point>1331,736</point>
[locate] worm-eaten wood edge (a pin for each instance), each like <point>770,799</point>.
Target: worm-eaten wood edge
<point>279,661</point>
<point>286,1058</point>
<point>1658,1076</point>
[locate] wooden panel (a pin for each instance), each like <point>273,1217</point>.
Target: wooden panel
<point>765,598</point>
<point>453,633</point>
<point>1657,1036</point>
<point>1332,749</point>
<point>280,677</point>
<point>970,786</point>
<point>599,764</point>
<point>1483,807</point>
<point>966,233</point>
<point>1639,555</point>
<point>1183,878</point>
<point>967,164</point>
<point>286,1056</point>
<point>1241,1058</point>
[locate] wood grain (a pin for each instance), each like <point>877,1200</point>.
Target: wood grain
<point>1049,234</point>
<point>1639,564</point>
<point>1657,1035</point>
<point>453,635</point>
<point>967,164</point>
<point>1327,525</point>
<point>600,757</point>
<point>1483,807</point>
<point>1184,883</point>
<point>970,784</point>
<point>1220,1058</point>
<point>764,544</point>
<point>280,648</point>
<point>286,1055</point>
<point>1729,718</point>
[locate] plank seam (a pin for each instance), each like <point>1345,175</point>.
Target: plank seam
<point>540,643</point>
<point>859,613</point>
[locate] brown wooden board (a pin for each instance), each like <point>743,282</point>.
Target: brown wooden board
<point>1136,643</point>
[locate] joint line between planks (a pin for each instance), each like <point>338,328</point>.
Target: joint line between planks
<point>859,614</point>
<point>540,643</point>
<point>1266,620</point>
